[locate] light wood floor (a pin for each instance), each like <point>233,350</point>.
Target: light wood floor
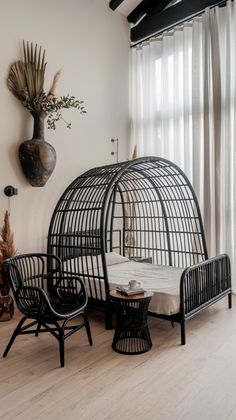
<point>192,382</point>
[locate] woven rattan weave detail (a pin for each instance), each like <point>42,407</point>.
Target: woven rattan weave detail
<point>144,207</point>
<point>141,208</point>
<point>132,334</point>
<point>29,276</point>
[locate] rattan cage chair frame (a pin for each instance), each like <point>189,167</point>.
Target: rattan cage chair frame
<point>141,208</point>
<point>29,276</point>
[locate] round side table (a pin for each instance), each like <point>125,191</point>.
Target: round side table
<point>131,334</point>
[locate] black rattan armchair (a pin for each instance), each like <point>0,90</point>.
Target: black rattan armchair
<point>30,277</point>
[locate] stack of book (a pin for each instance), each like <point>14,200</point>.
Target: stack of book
<point>127,291</point>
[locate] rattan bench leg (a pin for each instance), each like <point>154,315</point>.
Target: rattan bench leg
<point>183,335</point>
<point>108,317</point>
<point>62,347</point>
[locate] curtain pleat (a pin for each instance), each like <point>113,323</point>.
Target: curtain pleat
<point>183,108</point>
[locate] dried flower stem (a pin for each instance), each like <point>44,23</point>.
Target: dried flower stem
<point>7,250</point>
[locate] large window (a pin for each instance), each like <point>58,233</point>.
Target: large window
<point>183,108</point>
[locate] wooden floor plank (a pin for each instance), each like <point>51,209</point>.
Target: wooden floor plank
<point>192,382</point>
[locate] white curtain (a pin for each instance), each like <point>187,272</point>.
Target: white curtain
<point>183,108</point>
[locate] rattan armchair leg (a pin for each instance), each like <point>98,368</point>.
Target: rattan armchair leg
<point>14,335</point>
<point>61,336</point>
<point>87,326</point>
<point>38,329</point>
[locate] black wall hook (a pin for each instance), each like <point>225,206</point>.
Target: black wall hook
<point>117,149</point>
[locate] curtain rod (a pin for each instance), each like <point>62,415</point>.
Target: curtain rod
<point>169,28</point>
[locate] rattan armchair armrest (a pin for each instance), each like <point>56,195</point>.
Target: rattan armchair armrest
<point>70,288</point>
<point>32,300</point>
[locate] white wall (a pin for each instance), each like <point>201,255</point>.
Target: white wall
<point>92,44</point>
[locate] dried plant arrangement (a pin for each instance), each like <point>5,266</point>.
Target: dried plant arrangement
<point>130,215</point>
<point>26,82</point>
<point>7,250</point>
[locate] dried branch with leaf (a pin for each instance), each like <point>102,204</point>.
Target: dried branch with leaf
<point>7,250</point>
<point>26,82</point>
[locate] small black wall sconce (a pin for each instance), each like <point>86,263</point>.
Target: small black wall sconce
<point>9,191</point>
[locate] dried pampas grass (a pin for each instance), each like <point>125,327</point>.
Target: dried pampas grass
<point>130,214</point>
<point>52,91</point>
<point>7,250</point>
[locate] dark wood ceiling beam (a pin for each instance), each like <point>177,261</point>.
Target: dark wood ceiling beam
<point>157,22</point>
<point>114,4</point>
<point>145,7</point>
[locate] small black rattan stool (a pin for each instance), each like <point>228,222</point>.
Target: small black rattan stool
<point>132,333</point>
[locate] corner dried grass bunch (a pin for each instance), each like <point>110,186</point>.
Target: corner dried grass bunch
<point>7,250</point>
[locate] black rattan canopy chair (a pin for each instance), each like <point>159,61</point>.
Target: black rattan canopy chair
<point>141,208</point>
<point>28,277</point>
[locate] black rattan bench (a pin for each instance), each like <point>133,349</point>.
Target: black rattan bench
<point>140,208</point>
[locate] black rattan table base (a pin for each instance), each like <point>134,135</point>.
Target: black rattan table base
<point>132,334</point>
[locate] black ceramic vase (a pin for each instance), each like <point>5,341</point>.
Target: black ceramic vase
<point>37,157</point>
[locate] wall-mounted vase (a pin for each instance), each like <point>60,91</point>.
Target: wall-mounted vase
<point>37,157</point>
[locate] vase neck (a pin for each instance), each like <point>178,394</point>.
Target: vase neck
<point>38,131</point>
